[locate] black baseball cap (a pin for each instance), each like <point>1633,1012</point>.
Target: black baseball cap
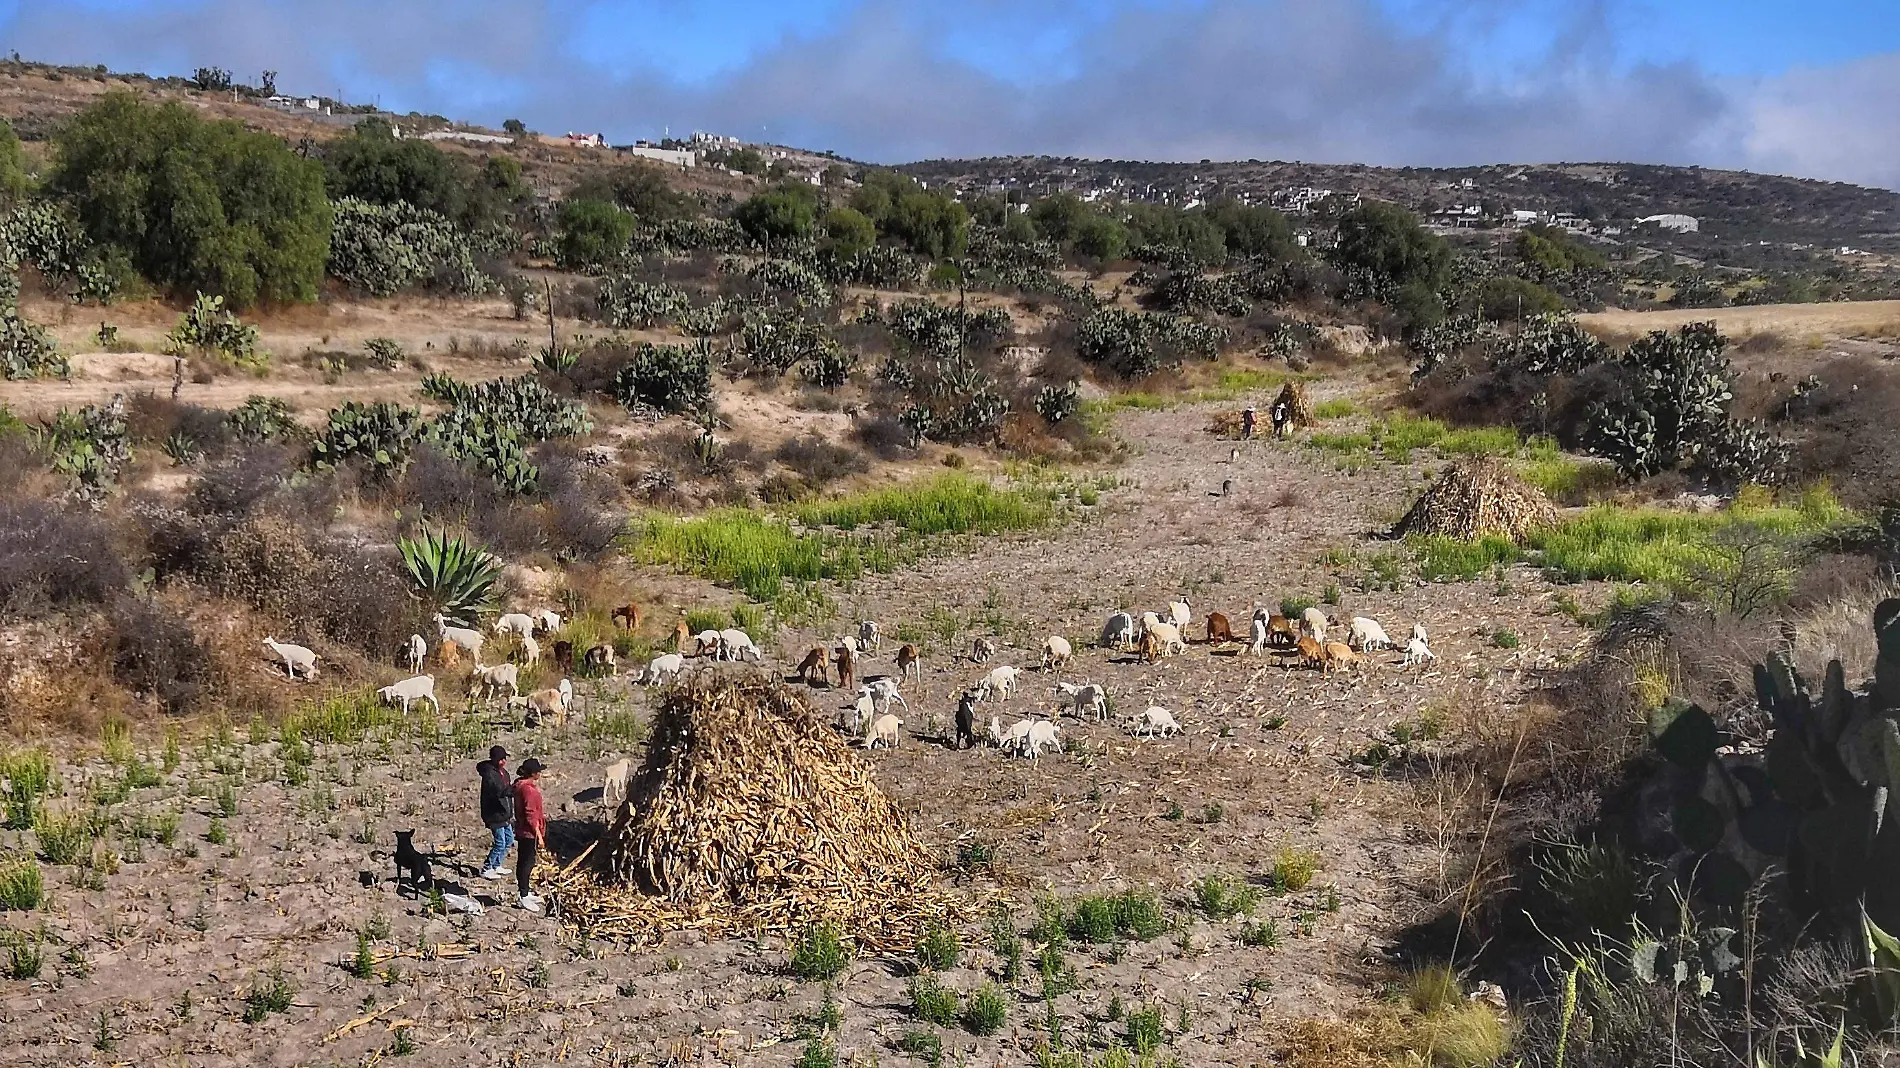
<point>530,768</point>
<point>496,752</point>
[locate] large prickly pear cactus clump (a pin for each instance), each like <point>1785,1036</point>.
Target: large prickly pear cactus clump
<point>1821,801</point>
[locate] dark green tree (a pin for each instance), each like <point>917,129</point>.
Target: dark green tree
<point>514,126</point>
<point>639,188</point>
<point>195,205</point>
<point>1388,255</point>
<point>1253,230</point>
<point>848,232</point>
<point>1101,237</point>
<point>14,182</point>
<point>778,217</point>
<point>1508,298</point>
<point>594,233</point>
<point>373,164</point>
<point>1059,217</point>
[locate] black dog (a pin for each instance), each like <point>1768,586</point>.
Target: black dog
<point>412,861</point>
<point>966,721</point>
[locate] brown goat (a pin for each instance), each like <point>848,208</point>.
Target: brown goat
<point>817,660</point>
<point>1312,654</point>
<point>1280,631</point>
<point>447,653</point>
<point>564,656</point>
<point>1338,655</point>
<point>627,615</point>
<point>1218,629</point>
<point>847,662</point>
<point>907,658</point>
<point>681,636</point>
<point>1150,647</point>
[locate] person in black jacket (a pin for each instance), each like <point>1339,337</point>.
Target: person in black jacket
<point>498,809</point>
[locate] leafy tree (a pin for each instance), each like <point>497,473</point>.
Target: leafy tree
<point>848,232</point>
<point>929,223</point>
<point>14,182</point>
<point>1550,251</point>
<point>1101,237</point>
<point>1059,217</point>
<point>779,216</point>
<point>1193,233</point>
<point>593,233</point>
<point>1019,229</point>
<point>1253,230</point>
<point>372,164</point>
<point>514,126</point>
<point>639,188</point>
<point>1386,254</point>
<point>195,204</point>
<point>1506,298</point>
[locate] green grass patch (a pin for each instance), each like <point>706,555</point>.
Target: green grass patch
<point>1337,408</point>
<point>774,559</point>
<point>1442,559</point>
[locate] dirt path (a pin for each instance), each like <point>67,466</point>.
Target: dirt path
<point>179,936</point>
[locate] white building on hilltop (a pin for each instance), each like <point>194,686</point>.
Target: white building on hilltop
<point>1681,224</point>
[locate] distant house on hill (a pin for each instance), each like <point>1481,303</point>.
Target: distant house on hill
<point>469,136</point>
<point>1681,224</point>
<point>674,156</point>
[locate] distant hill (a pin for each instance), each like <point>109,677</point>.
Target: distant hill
<point>1734,208</point>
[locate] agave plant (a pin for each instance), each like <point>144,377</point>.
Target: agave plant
<point>454,575</point>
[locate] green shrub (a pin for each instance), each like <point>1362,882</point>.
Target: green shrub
<point>1144,1031</point>
<point>819,953</point>
<point>207,329</point>
<point>818,1053</point>
<point>1337,408</point>
<point>1505,639</point>
<point>454,576</point>
<point>1291,607</point>
<point>939,949</point>
<point>29,775</point>
<point>22,888</point>
<point>932,1002</point>
<point>64,838</point>
<point>924,1044</point>
<point>1293,869</point>
<point>25,956</point>
<point>1441,559</point>
<point>381,435</point>
<point>671,378</point>
<point>261,419</point>
<point>1262,935</point>
<point>383,249</point>
<point>1220,897</point>
<point>270,994</point>
<point>986,1011</point>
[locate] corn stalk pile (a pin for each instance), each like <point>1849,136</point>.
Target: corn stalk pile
<point>1478,499</point>
<point>751,813</point>
<point>1293,395</point>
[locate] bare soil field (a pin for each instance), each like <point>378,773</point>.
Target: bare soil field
<point>159,961</point>
<point>1798,321</point>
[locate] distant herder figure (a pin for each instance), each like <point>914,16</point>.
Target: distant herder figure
<point>1282,418</point>
<point>1247,421</point>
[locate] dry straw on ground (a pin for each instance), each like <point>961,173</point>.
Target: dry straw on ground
<point>1478,499</point>
<point>752,813</point>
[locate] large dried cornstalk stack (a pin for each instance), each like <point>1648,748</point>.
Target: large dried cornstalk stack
<point>1477,499</point>
<point>750,811</point>
<point>1293,395</point>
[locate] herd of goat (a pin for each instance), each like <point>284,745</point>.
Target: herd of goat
<point>1152,636</point>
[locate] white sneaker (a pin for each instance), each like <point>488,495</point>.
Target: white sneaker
<point>494,873</point>
<point>531,903</point>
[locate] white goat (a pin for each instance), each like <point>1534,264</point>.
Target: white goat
<point>1418,631</point>
<point>861,712</point>
<point>663,668</point>
<point>549,621</point>
<point>737,645</point>
<point>1056,652</point>
<point>469,640</point>
<point>1179,613</point>
<point>550,702</point>
<point>1043,733</point>
<point>997,683</point>
<point>868,637</point>
<point>1156,720</point>
<point>1169,636</point>
<point>530,650</point>
<point>1416,652</point>
<point>1118,632</point>
<point>613,783</point>
<point>996,731</point>
<point>1016,739</point>
<point>515,623</point>
<point>492,679</point>
<point>295,657</point>
<point>706,642</point>
<point>883,692</point>
<point>1258,646</point>
<point>417,650</point>
<point>1088,698</point>
<point>883,729</point>
<point>1369,635</point>
<point>1316,624</point>
<point>420,688</point>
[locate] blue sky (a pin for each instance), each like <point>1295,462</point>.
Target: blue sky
<point>1811,88</point>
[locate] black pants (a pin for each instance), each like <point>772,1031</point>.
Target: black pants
<point>526,853</point>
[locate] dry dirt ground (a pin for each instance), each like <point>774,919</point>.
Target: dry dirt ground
<point>1799,321</point>
<point>155,967</point>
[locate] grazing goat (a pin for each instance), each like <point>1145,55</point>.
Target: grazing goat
<point>1258,646</point>
<point>681,636</point>
<point>966,721</point>
<point>858,715</point>
<point>419,688</point>
<point>1156,720</point>
<point>706,643</point>
<point>530,650</point>
<point>1338,655</point>
<point>1280,630</point>
<point>908,658</point>
<point>815,660</point>
<point>997,683</point>
<point>1316,623</point>
<point>1150,648</point>
<point>737,645</point>
<point>1418,632</point>
<point>1179,613</point>
<point>448,653</point>
<point>883,691</point>
<point>663,668</point>
<point>628,616</point>
<point>1087,697</point>
<point>1169,636</point>
<point>418,650</point>
<point>1017,737</point>
<point>492,679</point>
<point>548,621</point>
<point>296,658</point>
<point>1312,653</point>
<point>883,729</point>
<point>1042,734</point>
<point>564,656</point>
<point>613,783</point>
<point>1118,632</point>
<point>981,650</point>
<point>850,641</point>
<point>1219,630</point>
<point>515,623</point>
<point>550,703</point>
<point>1368,634</point>
<point>868,637</point>
<point>470,640</point>
<point>996,726</point>
<point>847,666</point>
<point>1055,652</point>
<point>1416,652</point>
<point>599,658</point>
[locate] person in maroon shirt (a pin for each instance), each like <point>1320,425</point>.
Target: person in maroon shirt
<point>531,828</point>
